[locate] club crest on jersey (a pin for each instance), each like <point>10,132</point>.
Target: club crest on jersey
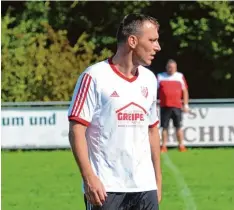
<point>144,91</point>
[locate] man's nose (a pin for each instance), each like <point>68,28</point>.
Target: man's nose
<point>157,47</point>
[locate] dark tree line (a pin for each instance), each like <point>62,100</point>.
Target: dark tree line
<point>40,39</point>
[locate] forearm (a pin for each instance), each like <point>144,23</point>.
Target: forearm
<point>157,168</point>
<point>155,153</point>
<point>185,97</point>
<point>79,148</point>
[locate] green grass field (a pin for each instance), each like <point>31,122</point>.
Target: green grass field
<point>201,179</point>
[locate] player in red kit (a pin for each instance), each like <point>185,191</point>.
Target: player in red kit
<point>172,87</point>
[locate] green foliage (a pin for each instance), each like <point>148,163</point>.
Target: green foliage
<point>211,34</point>
<point>99,19</point>
<point>42,66</point>
<point>199,35</point>
<point>39,62</point>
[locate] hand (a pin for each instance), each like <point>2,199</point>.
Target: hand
<point>159,194</point>
<point>159,185</point>
<point>185,108</point>
<point>94,190</point>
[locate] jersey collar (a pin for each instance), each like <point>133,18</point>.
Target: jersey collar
<point>113,67</point>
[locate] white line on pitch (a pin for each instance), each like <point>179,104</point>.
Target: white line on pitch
<point>184,189</point>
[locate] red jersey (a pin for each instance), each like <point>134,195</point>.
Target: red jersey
<point>170,89</point>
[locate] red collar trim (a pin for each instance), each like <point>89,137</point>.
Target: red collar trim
<point>113,67</point>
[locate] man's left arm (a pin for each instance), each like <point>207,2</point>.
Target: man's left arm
<point>154,139</point>
<point>186,99</point>
<point>185,95</point>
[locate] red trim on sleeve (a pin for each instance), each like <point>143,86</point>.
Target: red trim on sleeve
<point>81,95</point>
<point>84,96</point>
<point>82,121</point>
<point>77,95</point>
<point>153,125</point>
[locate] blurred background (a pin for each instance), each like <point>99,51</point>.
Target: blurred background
<point>44,41</point>
<point>45,45</point>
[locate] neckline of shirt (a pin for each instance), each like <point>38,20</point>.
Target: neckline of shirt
<point>116,70</point>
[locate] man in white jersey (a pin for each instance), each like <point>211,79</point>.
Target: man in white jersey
<point>113,128</point>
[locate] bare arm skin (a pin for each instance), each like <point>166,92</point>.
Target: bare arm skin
<point>94,189</point>
<point>155,153</point>
<point>186,99</point>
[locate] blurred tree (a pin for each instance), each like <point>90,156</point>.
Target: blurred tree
<point>42,66</point>
<point>99,19</point>
<point>210,32</point>
<point>39,63</point>
<point>199,35</point>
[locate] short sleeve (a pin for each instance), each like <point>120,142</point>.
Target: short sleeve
<point>83,100</point>
<point>153,114</point>
<point>184,83</point>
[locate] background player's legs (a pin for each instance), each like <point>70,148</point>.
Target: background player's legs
<point>146,201</point>
<point>164,137</point>
<point>180,138</point>
<point>113,201</point>
<point>177,122</point>
<point>179,135</point>
<point>165,115</point>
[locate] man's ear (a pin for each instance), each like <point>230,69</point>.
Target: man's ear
<point>132,41</point>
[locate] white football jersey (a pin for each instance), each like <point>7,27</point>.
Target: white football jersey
<point>117,112</point>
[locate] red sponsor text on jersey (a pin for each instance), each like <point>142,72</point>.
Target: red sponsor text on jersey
<point>124,115</point>
<point>130,116</point>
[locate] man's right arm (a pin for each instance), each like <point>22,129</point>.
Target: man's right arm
<point>79,148</point>
<point>80,115</point>
<point>94,189</point>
